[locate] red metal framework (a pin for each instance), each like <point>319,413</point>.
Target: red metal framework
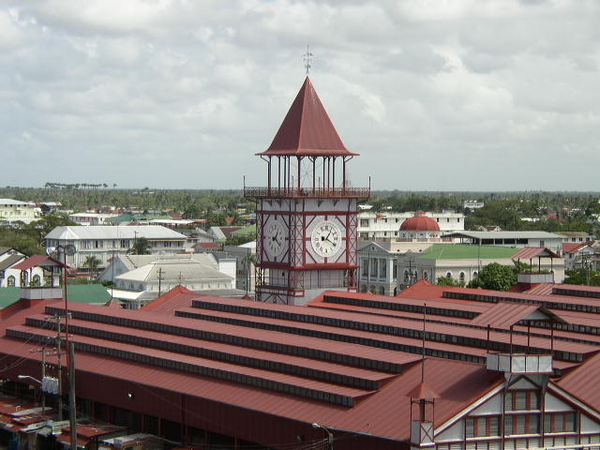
<point>294,192</point>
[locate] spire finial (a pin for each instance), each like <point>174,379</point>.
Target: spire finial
<point>307,59</point>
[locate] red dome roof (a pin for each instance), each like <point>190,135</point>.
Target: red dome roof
<point>420,223</point>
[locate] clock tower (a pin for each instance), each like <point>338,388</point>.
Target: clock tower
<point>307,214</point>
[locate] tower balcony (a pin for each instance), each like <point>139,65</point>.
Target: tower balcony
<point>307,192</point>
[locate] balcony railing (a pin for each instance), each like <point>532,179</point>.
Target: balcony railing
<point>265,192</point>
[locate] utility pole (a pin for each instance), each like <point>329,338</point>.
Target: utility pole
<point>43,352</point>
<point>72,402</point>
<point>160,278</point>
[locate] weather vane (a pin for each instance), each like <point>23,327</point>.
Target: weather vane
<point>307,59</point>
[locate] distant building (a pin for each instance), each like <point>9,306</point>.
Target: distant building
<point>387,224</point>
<point>105,242</point>
<point>517,239</point>
<point>378,268</point>
<point>473,204</point>
<point>89,218</point>
<point>139,279</point>
<point>576,236</point>
<point>463,263</point>
<point>15,210</point>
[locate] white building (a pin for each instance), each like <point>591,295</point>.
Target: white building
<point>139,279</point>
<point>15,210</point>
<point>378,268</point>
<point>88,218</point>
<point>518,239</point>
<point>463,262</point>
<point>105,242</point>
<point>245,256</point>
<point>387,224</point>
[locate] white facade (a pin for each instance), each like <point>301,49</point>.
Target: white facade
<point>149,277</point>
<point>88,218</point>
<point>15,210</point>
<point>105,242</point>
<point>378,264</point>
<point>387,224</point>
<point>11,277</point>
<point>529,412</point>
<point>411,268</point>
<point>517,239</point>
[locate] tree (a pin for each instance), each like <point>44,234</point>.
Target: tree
<point>92,263</point>
<point>448,281</point>
<point>249,259</point>
<point>496,276</point>
<point>141,246</point>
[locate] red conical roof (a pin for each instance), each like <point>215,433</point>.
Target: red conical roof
<point>307,130</point>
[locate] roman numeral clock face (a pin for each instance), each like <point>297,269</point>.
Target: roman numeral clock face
<point>326,239</point>
<point>274,238</point>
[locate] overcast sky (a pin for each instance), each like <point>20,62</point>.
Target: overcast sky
<point>439,95</point>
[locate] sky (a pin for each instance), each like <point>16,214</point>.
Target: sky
<point>435,95</point>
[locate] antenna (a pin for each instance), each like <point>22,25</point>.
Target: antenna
<point>307,59</point>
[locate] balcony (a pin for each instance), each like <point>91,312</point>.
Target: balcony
<point>265,192</point>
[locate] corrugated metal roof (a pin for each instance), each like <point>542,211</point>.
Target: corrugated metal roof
<point>307,130</point>
<point>38,260</point>
<point>505,315</point>
<point>281,336</point>
<point>10,261</point>
<point>534,252</point>
<point>151,232</point>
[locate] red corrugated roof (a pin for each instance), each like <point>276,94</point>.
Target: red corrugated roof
<point>534,252</point>
<point>574,247</point>
<point>505,315</point>
<point>37,260</point>
<point>307,130</point>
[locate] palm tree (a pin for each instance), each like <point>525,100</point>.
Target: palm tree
<point>249,259</point>
<point>92,263</point>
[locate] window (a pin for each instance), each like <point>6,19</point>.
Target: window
<point>124,243</point>
<point>521,424</point>
<point>448,274</point>
<point>482,426</point>
<point>560,423</point>
<point>461,277</point>
<point>36,281</point>
<point>10,281</point>
<point>522,400</point>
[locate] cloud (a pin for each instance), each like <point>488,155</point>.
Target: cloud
<point>432,93</point>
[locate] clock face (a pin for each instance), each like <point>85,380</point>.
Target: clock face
<point>274,238</point>
<point>326,239</point>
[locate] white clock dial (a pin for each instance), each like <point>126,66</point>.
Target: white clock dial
<point>274,238</point>
<point>326,239</point>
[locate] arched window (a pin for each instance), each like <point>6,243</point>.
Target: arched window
<point>373,290</point>
<point>461,277</point>
<point>406,276</point>
<point>363,288</point>
<point>381,290</point>
<point>448,274</point>
<point>36,281</point>
<point>10,281</point>
<point>425,276</point>
<point>475,274</point>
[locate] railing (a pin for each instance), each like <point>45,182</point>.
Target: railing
<point>347,192</point>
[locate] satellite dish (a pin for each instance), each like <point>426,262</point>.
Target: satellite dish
<point>70,249</point>
<point>50,250</point>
